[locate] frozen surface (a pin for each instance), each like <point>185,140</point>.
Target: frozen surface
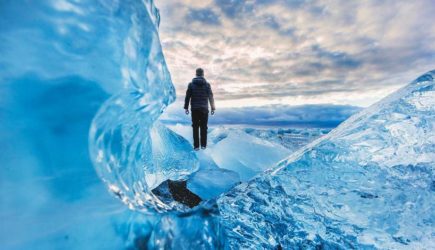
<point>291,138</point>
<point>60,61</point>
<point>237,150</point>
<point>199,229</point>
<point>367,184</point>
<point>234,155</point>
<point>245,154</point>
<point>133,155</point>
<point>209,183</point>
<point>85,81</point>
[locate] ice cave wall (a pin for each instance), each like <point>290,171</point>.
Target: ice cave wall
<point>61,60</point>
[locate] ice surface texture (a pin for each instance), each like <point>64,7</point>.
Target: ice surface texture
<point>245,154</point>
<point>131,153</point>
<point>236,150</point>
<point>367,184</point>
<point>60,61</point>
<point>291,138</point>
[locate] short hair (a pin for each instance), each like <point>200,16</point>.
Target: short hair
<point>199,72</point>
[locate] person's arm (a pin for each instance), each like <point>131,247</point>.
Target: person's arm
<point>211,99</point>
<point>187,99</point>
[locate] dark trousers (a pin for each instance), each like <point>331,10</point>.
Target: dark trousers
<point>199,121</point>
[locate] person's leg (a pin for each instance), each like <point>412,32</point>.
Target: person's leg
<point>203,125</point>
<point>195,126</point>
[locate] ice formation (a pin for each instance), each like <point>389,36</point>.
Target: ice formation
<point>245,154</point>
<point>70,69</point>
<point>236,150</point>
<point>60,61</point>
<point>367,184</point>
<point>132,153</point>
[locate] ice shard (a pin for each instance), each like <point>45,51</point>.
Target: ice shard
<point>367,184</point>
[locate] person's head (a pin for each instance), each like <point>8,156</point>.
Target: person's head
<point>199,72</point>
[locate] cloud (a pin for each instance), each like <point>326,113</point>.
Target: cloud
<point>232,8</point>
<point>298,52</point>
<point>271,115</point>
<point>205,16</point>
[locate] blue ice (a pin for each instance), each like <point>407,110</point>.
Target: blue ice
<point>82,86</point>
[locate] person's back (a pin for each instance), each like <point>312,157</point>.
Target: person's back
<point>199,94</point>
<point>200,89</point>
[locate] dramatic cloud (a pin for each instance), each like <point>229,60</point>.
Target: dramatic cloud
<point>297,52</point>
<point>325,116</point>
<point>206,16</point>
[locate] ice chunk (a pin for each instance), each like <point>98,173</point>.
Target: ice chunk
<point>220,133</point>
<point>183,130</point>
<point>133,156</point>
<point>214,179</point>
<point>209,183</point>
<point>205,161</point>
<point>367,184</point>
<point>60,60</point>
<point>245,154</point>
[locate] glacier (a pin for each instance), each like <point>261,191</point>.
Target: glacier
<point>83,84</point>
<point>368,184</point>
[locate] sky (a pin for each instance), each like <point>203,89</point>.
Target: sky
<point>286,55</point>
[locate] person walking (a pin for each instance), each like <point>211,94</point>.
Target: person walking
<point>199,94</point>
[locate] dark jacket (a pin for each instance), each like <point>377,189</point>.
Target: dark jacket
<point>199,94</point>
